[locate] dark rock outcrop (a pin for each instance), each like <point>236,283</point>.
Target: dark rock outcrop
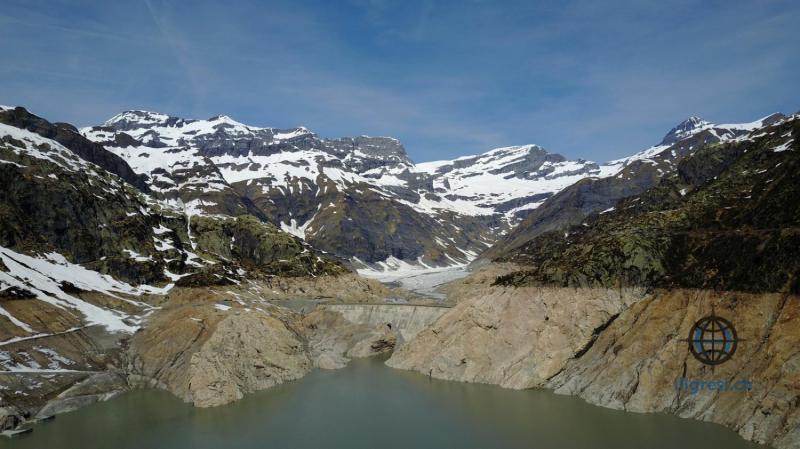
<point>68,135</point>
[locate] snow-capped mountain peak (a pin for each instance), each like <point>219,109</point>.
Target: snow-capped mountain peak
<point>684,129</point>
<point>329,191</point>
<point>443,212</point>
<point>135,119</point>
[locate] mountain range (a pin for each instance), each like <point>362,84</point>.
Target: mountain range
<point>159,251</point>
<point>364,200</point>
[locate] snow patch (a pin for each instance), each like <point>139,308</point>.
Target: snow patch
<point>44,276</point>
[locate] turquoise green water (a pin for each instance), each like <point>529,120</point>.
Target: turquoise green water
<point>368,405</point>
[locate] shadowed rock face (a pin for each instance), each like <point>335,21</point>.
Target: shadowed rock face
<point>571,205</point>
<point>53,199</point>
<point>69,136</point>
<point>374,152</point>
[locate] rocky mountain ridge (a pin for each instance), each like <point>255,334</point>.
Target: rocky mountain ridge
<point>190,260</point>
<point>601,309</point>
<point>362,190</point>
<point>725,219</point>
<point>622,178</point>
<point>82,248</point>
<point>365,191</point>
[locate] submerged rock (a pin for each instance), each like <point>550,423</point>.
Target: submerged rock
<point>99,387</point>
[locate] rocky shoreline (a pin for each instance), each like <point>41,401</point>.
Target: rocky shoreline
<point>212,345</point>
<point>623,349</point>
<point>616,348</point>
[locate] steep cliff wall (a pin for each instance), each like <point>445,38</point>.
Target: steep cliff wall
<point>624,350</point>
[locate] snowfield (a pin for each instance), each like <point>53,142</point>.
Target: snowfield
<point>43,276</point>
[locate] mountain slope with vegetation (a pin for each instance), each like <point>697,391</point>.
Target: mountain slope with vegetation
<point>727,219</point>
<point>629,176</point>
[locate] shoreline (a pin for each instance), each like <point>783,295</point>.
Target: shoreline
<point>293,388</point>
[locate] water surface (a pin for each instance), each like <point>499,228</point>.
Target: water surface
<point>368,405</point>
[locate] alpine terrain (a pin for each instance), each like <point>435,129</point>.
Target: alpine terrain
<point>364,200</point>
<point>213,259</point>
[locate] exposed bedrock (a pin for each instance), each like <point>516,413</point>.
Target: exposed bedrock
<point>212,348</point>
<point>211,355</point>
<point>634,363</point>
<point>512,337</point>
<point>624,350</point>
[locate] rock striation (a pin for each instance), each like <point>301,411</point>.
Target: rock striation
<point>624,350</point>
<point>513,337</point>
<point>602,310</point>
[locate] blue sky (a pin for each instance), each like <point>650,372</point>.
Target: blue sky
<point>589,79</point>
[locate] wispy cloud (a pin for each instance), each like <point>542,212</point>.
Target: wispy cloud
<point>588,79</point>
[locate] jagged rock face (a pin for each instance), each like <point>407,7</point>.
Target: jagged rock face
<point>515,338</point>
<point>212,346</point>
<point>84,255</point>
<point>54,199</point>
<point>211,356</point>
<point>583,313</point>
<point>332,339</point>
<point>365,191</point>
<point>624,178</point>
<point>68,136</point>
<point>686,128</point>
<point>362,154</point>
<point>694,125</point>
<point>359,197</point>
<point>360,222</point>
